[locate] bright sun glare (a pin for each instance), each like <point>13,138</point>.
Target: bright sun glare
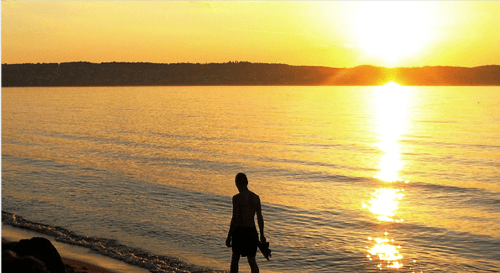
<point>391,102</point>
<point>392,31</point>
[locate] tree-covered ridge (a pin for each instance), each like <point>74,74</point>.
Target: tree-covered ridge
<point>236,73</point>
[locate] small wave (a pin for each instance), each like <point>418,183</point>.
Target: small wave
<point>108,247</point>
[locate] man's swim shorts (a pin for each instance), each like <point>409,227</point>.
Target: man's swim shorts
<point>244,241</point>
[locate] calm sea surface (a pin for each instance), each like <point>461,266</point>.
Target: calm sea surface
<point>352,179</point>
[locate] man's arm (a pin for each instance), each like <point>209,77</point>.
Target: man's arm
<point>260,221</point>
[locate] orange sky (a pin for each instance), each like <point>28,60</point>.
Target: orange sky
<point>335,34</point>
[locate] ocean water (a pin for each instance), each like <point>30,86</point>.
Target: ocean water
<point>352,179</point>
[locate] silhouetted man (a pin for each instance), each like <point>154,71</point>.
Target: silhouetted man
<point>242,232</point>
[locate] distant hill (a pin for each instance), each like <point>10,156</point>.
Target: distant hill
<point>237,73</point>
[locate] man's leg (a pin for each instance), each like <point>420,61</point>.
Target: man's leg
<point>235,259</point>
<point>253,264</point>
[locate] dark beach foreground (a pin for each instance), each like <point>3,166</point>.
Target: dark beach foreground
<point>76,266</point>
<point>76,259</point>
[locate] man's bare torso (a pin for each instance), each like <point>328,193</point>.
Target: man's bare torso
<point>246,204</point>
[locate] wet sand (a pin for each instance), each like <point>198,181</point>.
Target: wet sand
<point>76,266</point>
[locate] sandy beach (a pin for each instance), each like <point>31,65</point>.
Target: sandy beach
<point>77,259</point>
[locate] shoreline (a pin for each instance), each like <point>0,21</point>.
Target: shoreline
<point>79,258</point>
<point>107,253</point>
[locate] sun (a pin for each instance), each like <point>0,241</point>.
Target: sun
<point>392,31</point>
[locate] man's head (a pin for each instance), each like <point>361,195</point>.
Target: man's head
<point>241,181</point>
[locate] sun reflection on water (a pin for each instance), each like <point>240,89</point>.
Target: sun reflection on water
<point>391,106</point>
<point>390,102</point>
<point>387,253</point>
<point>384,204</point>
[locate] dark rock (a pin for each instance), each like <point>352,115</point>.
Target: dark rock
<point>8,255</point>
<point>25,264</point>
<point>36,249</point>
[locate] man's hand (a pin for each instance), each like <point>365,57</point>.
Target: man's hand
<point>262,239</point>
<point>228,241</point>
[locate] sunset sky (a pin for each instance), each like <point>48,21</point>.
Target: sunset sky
<point>334,34</point>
